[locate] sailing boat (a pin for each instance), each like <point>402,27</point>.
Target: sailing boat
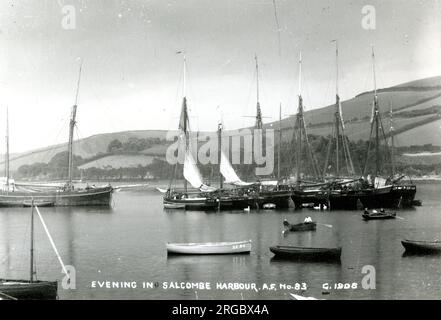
<point>254,194</point>
<point>340,192</point>
<point>383,192</point>
<point>304,192</point>
<point>16,194</point>
<point>203,197</point>
<point>32,288</point>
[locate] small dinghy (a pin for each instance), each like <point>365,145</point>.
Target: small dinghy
<point>378,215</point>
<point>210,247</point>
<point>304,226</point>
<point>418,246</point>
<point>269,206</point>
<point>417,203</point>
<point>305,253</point>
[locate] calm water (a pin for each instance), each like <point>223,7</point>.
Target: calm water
<point>127,243</point>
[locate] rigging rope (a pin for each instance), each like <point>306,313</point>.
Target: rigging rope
<point>52,242</point>
<point>278,28</point>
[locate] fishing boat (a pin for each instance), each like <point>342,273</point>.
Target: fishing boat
<point>340,193</point>
<point>303,226</point>
<point>33,288</point>
<point>14,194</point>
<point>419,246</point>
<point>378,215</point>
<point>304,192</point>
<point>209,248</point>
<point>203,196</point>
<point>306,253</point>
<point>256,194</point>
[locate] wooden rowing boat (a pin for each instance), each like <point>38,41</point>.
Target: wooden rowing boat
<point>210,247</point>
<point>304,226</point>
<point>419,246</point>
<point>378,215</point>
<point>306,253</point>
<point>29,290</point>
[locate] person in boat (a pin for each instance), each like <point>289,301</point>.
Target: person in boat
<point>366,211</point>
<point>382,210</point>
<point>307,220</point>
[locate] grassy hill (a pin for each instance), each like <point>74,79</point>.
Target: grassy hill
<point>417,121</point>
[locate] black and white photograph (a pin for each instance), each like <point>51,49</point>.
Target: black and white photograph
<point>235,150</point>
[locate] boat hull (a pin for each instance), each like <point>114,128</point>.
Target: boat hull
<point>307,254</point>
<point>384,216</point>
<point>387,197</point>
<point>26,290</point>
<point>413,246</point>
<point>215,248</point>
<point>280,198</point>
<point>91,197</point>
<point>305,226</point>
<point>191,204</point>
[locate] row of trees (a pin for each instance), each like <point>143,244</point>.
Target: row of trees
<point>57,166</point>
<point>132,145</point>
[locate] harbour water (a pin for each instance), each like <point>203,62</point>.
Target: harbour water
<point>126,243</point>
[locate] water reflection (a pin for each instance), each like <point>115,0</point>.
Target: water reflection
<point>128,241</point>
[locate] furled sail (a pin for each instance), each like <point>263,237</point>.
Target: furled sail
<point>192,174</point>
<point>229,174</point>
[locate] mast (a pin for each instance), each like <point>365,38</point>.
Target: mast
<point>338,131</point>
<point>392,133</point>
<point>219,137</point>
<point>299,120</point>
<point>338,115</point>
<point>31,278</point>
<point>259,124</point>
<point>376,119</point>
<point>376,125</point>
<point>280,142</point>
<point>71,131</point>
<point>7,149</point>
<point>184,107</point>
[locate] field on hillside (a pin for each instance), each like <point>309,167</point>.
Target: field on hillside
<point>119,161</point>
<point>415,95</point>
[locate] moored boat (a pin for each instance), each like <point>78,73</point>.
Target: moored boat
<point>209,248</point>
<point>29,290</point>
<point>303,226</point>
<point>33,289</point>
<point>13,194</point>
<point>378,215</point>
<point>420,246</point>
<point>306,253</point>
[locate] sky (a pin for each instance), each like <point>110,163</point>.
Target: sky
<point>132,76</point>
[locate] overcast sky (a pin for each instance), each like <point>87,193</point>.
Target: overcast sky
<point>132,76</point>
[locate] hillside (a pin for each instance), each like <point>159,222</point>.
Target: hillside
<point>417,121</point>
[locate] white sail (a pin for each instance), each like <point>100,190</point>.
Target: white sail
<point>192,174</point>
<point>229,174</point>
